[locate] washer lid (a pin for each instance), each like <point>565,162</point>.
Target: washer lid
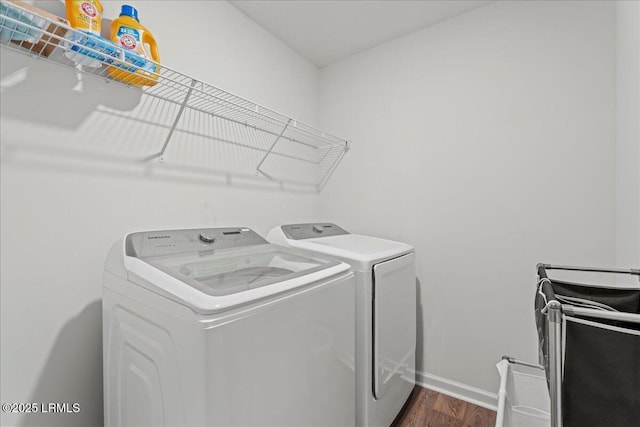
<point>228,272</point>
<point>361,251</point>
<point>209,271</point>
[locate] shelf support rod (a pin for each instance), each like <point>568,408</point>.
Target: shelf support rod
<point>271,149</point>
<point>333,167</point>
<point>177,119</point>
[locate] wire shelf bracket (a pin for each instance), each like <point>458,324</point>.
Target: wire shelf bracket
<point>176,120</point>
<point>271,149</point>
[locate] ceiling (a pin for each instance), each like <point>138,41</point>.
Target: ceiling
<point>325,31</point>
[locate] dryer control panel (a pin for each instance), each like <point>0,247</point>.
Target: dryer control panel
<point>311,230</point>
<point>155,243</point>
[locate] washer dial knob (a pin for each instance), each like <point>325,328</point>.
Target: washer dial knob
<point>207,237</point>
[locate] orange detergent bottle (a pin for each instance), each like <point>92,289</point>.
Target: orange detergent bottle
<point>85,15</point>
<point>138,45</point>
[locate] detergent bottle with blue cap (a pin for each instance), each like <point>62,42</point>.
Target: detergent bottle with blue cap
<point>137,64</point>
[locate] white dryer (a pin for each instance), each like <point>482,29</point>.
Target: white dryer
<point>216,327</point>
<point>385,313</point>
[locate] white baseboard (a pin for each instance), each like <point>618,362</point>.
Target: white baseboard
<point>458,390</point>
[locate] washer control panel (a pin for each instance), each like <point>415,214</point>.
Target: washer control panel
<point>156,243</point>
<point>311,230</point>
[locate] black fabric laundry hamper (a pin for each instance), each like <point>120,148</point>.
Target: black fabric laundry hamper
<point>589,342</point>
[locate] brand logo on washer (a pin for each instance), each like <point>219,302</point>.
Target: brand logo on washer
<point>158,237</point>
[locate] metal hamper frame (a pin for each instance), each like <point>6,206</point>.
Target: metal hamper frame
<point>556,312</point>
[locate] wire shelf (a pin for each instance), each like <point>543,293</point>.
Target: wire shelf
<point>279,143</point>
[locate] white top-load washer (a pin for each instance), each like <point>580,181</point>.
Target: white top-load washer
<point>217,327</point>
<point>385,312</point>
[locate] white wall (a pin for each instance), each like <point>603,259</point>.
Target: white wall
<point>628,137</point>
<point>488,142</point>
<point>70,188</point>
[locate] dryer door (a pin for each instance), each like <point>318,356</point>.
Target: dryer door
<point>394,325</point>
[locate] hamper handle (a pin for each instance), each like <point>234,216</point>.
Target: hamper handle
<point>632,271</point>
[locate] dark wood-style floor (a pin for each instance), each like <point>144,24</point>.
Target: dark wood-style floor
<point>428,408</point>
